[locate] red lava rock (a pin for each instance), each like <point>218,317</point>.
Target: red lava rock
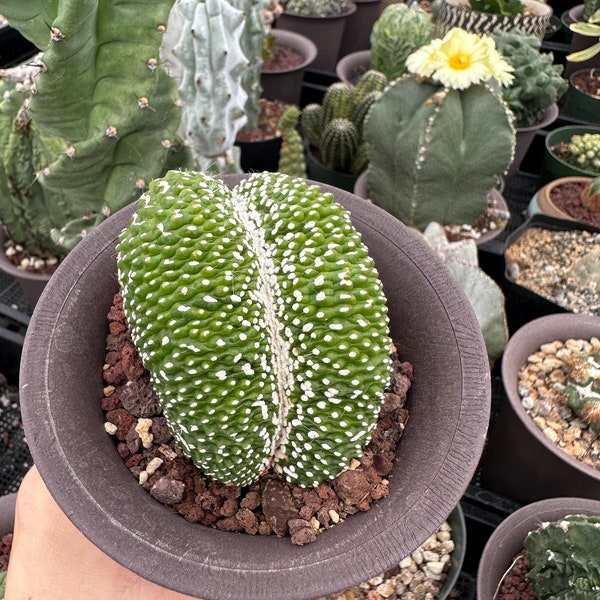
<point>514,584</point>
<point>140,399</point>
<point>115,375</point>
<point>132,363</point>
<point>278,505</point>
<point>354,486</point>
<point>248,521</point>
<point>167,491</point>
<point>123,420</point>
<point>301,532</point>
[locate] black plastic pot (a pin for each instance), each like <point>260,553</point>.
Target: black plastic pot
<point>14,48</point>
<point>61,385</point>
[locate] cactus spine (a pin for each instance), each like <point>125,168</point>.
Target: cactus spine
<point>101,124</point>
<point>262,321</point>
<point>427,150</point>
<point>203,53</point>
<point>335,126</point>
<point>291,156</point>
<point>565,558</point>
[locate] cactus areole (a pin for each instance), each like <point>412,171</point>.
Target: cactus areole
<point>262,320</point>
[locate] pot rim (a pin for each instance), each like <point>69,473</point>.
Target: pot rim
<point>527,340</point>
<point>298,42</point>
<point>349,9</point>
<point>575,130</point>
<point>94,488</point>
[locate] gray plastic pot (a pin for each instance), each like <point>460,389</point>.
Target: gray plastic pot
<point>507,540</point>
<point>7,513</point>
<point>61,387</point>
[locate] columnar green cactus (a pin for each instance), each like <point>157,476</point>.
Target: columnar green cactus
<point>565,559</point>
<point>335,126</point>
<point>583,388</point>
<point>429,155</point>
<point>399,30</point>
<point>583,151</point>
<point>261,318</point>
<point>102,122</point>
<point>320,8</point>
<point>291,155</point>
<point>537,82</point>
<point>203,54</point>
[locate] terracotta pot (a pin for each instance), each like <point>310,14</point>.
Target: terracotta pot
<point>542,203</point>
<point>457,13</point>
<point>353,65</point>
<point>580,105</point>
<point>32,284</point>
<point>554,167</point>
<point>287,85</point>
<point>526,135</point>
<point>519,461</point>
<point>361,190</point>
<point>507,540</point>
<point>357,32</point>
<point>325,32</point>
<point>435,329</point>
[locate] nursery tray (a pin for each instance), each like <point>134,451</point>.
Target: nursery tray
<point>524,303</point>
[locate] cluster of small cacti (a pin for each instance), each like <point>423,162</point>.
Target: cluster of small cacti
<point>399,30</point>
<point>319,8</point>
<point>335,127</point>
<point>262,320</point>
<point>583,151</point>
<point>590,197</point>
<point>101,124</point>
<point>202,51</point>
<point>291,155</point>
<point>582,386</point>
<point>537,81</point>
<point>565,559</point>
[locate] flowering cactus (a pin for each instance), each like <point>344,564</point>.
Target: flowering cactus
<point>565,559</point>
<point>439,137</point>
<point>101,123</point>
<point>261,318</point>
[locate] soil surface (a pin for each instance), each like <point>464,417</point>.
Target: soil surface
<point>283,58</point>
<point>22,259</point>
<point>567,197</point>
<point>268,120</point>
<point>514,584</point>
<point>542,380</point>
<point>266,507</point>
<point>588,82</point>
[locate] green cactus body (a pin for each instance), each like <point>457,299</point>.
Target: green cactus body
<point>360,161</point>
<point>565,559</point>
<point>398,32</point>
<point>320,8</point>
<point>337,103</point>
<point>583,388</point>
<point>203,54</point>
<point>361,110</point>
<point>584,152</point>
<point>370,81</point>
<point>537,82</point>
<point>429,158</point>
<point>310,123</point>
<point>339,143</point>
<point>102,122</point>
<point>291,155</point>
<point>261,318</point>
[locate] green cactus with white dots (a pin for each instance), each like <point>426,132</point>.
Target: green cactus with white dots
<point>262,320</point>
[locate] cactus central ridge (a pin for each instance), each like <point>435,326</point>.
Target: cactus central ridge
<point>262,321</point>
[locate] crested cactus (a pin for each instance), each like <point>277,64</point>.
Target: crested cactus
<point>334,127</point>
<point>565,559</point>
<point>439,139</point>
<point>261,318</point>
<point>101,123</point>
<point>319,8</point>
<point>398,31</point>
<point>537,82</point>
<point>291,155</point>
<point>582,387</point>
<point>590,197</point>
<point>203,53</point>
<point>583,151</point>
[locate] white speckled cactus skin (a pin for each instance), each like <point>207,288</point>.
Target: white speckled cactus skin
<point>262,320</point>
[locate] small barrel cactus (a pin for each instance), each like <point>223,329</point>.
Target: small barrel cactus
<point>583,387</point>
<point>583,151</point>
<point>262,320</point>
<point>565,559</point>
<point>590,197</point>
<point>399,31</point>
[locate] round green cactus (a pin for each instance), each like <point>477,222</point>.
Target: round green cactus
<point>262,320</point>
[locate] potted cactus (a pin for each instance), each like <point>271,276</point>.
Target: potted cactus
<point>321,21</point>
<point>536,87</point>
<point>84,145</point>
<point>547,549</point>
<point>414,129</point>
<point>583,29</point>
<point>334,130</point>
<point>421,300</point>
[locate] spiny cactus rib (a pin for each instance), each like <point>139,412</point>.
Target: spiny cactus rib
<point>310,123</point>
<point>339,144</point>
<point>262,320</point>
<point>291,155</point>
<point>337,103</point>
